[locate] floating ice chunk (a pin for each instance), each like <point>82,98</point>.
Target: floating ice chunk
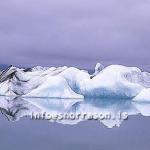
<point>114,81</point>
<point>142,107</point>
<point>144,95</point>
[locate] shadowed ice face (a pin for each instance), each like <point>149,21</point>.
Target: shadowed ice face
<point>79,33</point>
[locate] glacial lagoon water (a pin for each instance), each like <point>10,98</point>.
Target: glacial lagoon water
<point>19,130</point>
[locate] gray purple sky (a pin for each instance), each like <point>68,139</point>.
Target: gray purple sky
<point>74,32</point>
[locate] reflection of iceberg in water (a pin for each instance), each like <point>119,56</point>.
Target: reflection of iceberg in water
<point>22,107</point>
<point>109,109</point>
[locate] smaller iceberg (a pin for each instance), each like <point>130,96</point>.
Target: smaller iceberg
<point>144,95</point>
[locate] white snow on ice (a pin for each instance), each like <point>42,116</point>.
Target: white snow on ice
<point>114,81</point>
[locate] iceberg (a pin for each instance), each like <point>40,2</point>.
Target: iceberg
<point>114,81</point>
<point>144,95</point>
